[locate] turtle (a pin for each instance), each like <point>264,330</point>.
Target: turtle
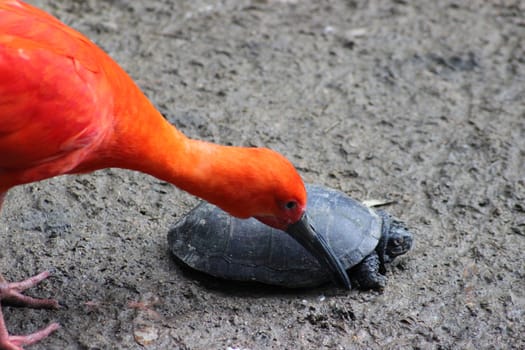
<point>211,241</point>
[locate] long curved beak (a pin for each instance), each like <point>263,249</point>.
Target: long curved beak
<point>306,235</point>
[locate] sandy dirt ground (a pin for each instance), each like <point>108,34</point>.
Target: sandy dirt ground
<point>422,104</point>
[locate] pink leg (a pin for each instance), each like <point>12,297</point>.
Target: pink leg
<point>11,293</point>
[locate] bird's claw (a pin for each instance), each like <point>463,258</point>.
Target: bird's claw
<point>11,294</point>
<point>15,342</point>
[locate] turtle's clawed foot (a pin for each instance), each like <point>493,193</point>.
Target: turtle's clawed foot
<point>375,281</point>
<point>367,274</point>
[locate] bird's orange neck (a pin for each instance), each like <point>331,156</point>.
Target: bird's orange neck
<point>139,138</point>
<point>146,142</point>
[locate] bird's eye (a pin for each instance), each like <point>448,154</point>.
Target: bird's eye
<point>291,205</point>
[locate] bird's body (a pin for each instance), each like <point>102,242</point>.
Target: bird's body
<point>56,103</point>
<point>69,108</point>
<point>66,107</point>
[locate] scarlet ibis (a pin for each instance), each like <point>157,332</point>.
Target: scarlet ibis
<point>66,107</point>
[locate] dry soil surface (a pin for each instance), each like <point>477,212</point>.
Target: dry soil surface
<point>422,104</point>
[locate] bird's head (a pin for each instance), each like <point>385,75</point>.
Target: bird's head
<point>273,192</point>
<point>260,183</point>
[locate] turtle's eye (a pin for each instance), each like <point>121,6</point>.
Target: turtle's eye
<point>290,205</point>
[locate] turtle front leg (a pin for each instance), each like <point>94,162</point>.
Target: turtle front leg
<point>367,274</point>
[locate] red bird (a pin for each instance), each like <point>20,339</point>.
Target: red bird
<point>66,107</point>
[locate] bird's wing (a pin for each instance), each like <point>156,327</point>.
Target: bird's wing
<point>54,96</point>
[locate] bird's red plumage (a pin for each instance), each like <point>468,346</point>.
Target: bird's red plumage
<point>67,107</point>
<point>54,100</point>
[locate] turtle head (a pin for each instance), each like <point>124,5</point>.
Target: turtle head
<point>395,238</point>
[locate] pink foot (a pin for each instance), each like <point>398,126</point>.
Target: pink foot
<point>11,293</point>
<point>15,342</point>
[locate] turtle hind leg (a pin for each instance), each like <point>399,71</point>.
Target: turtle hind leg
<point>367,274</point>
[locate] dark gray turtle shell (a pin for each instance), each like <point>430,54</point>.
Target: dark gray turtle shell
<point>211,241</point>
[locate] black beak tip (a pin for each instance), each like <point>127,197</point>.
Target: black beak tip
<point>315,243</point>
<point>345,281</point>
<point>341,276</point>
